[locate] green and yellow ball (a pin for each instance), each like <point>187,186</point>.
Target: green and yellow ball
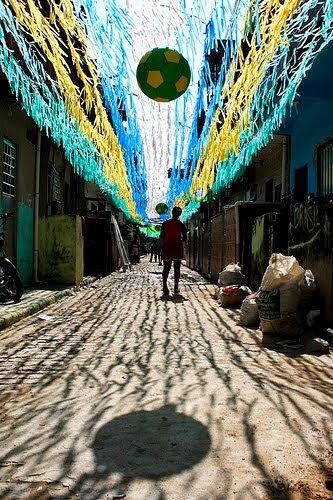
<point>163,74</point>
<point>161,208</point>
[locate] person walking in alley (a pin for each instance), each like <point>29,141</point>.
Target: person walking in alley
<point>173,236</point>
<point>159,249</point>
<point>135,251</point>
<point>154,250</point>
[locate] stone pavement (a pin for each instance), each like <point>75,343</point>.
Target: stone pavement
<point>117,392</point>
<point>34,300</point>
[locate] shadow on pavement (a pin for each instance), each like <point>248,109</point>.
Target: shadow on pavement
<point>150,444</point>
<point>144,444</point>
<point>116,385</point>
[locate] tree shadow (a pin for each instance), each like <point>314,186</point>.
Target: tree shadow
<point>85,396</point>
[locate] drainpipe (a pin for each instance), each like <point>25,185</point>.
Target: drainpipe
<point>36,207</point>
<point>284,165</point>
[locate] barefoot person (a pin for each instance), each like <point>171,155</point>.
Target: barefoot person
<point>173,235</point>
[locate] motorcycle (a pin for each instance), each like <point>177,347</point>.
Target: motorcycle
<point>10,283</point>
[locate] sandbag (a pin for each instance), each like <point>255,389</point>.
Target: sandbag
<point>249,315</point>
<point>279,309</point>
<point>281,270</point>
<point>279,296</point>
<point>233,295</point>
<point>231,275</point>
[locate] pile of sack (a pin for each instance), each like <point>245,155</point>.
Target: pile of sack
<point>286,303</point>
<point>232,286</point>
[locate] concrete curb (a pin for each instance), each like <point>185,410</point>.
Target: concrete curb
<point>22,311</point>
<point>33,302</point>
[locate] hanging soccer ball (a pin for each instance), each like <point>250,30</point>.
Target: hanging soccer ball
<point>163,74</point>
<point>161,208</point>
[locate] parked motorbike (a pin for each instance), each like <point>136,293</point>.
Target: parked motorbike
<point>10,283</point>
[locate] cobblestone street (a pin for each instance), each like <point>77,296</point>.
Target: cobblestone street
<point>119,391</point>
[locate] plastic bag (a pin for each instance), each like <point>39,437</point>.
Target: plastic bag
<point>233,296</point>
<point>279,296</point>
<point>281,270</point>
<point>249,315</point>
<point>231,275</point>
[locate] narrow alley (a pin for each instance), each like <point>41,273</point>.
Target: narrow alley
<point>118,392</point>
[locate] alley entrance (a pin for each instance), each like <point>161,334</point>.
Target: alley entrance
<point>118,392</point>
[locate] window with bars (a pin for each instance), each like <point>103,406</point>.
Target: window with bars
<point>325,169</point>
<point>9,168</point>
<point>54,184</point>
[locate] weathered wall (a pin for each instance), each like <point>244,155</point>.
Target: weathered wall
<point>305,139</point>
<point>61,249</point>
<point>234,236</point>
<point>191,249</point>
<point>266,166</point>
<point>16,126</point>
<point>269,235</point>
<point>311,242</point>
<point>205,252</point>
<point>25,223</point>
<point>310,123</point>
<point>258,251</point>
<point>216,252</point>
<point>269,166</point>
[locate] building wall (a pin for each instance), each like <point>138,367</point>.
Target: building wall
<point>25,224</point>
<point>235,235</point>
<point>217,228</point>
<point>269,235</point>
<point>313,125</point>
<point>16,126</point>
<point>269,167</point>
<point>311,242</point>
<point>310,121</point>
<point>61,249</point>
<point>266,168</point>
<point>93,191</point>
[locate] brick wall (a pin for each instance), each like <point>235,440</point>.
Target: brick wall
<point>269,167</point>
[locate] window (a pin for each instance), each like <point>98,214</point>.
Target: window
<point>325,169</point>
<point>269,190</point>
<point>53,184</point>
<point>301,184</point>
<point>278,193</point>
<point>254,192</point>
<point>9,168</point>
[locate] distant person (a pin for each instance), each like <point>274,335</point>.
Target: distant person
<point>135,251</point>
<point>173,236</point>
<point>154,250</point>
<point>159,250</point>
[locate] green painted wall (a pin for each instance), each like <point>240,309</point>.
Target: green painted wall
<point>61,249</point>
<point>24,245</point>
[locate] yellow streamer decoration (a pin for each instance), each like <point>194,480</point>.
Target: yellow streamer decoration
<point>238,93</point>
<point>46,34</point>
